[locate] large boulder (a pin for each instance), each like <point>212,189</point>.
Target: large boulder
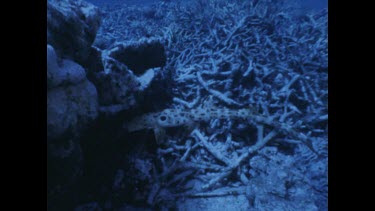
<point>63,72</point>
<point>70,109</point>
<point>72,27</point>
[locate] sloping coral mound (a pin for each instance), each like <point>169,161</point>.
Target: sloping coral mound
<point>263,55</point>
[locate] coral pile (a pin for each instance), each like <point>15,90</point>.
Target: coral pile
<point>236,54</point>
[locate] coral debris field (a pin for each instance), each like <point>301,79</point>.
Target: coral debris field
<point>268,56</point>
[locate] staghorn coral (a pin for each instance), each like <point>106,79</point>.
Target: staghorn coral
<point>237,54</point>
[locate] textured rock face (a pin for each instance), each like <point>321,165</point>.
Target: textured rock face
<point>72,27</point>
<point>72,105</point>
<point>63,72</point>
<point>72,101</point>
<point>70,108</point>
<point>116,86</point>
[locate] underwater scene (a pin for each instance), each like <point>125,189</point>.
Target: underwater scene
<point>187,105</point>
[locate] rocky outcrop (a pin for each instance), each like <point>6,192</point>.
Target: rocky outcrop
<point>70,109</point>
<point>72,27</point>
<point>140,56</point>
<point>62,72</point>
<point>72,106</point>
<point>72,100</point>
<point>128,71</point>
<point>84,84</point>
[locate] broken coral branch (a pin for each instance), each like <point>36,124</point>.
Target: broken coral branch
<point>215,93</point>
<point>259,144</point>
<point>217,154</point>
